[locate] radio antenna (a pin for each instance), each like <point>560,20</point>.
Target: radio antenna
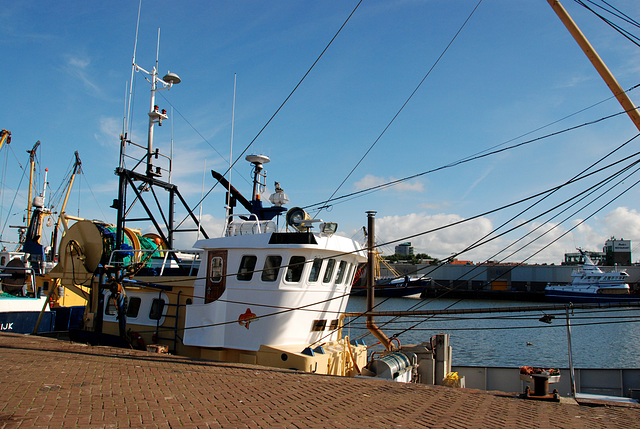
<point>128,103</point>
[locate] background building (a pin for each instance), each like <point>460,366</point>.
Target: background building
<point>404,249</point>
<point>598,258</point>
<point>618,252</point>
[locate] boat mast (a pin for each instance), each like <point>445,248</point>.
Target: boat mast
<point>5,136</point>
<point>54,240</point>
<point>32,163</point>
<point>597,62</point>
<point>145,177</point>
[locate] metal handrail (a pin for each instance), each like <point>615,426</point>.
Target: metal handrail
<point>167,252</point>
<point>29,269</point>
<point>249,215</point>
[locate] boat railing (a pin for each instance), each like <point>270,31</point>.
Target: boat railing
<point>174,258</point>
<point>248,224</point>
<point>9,272</point>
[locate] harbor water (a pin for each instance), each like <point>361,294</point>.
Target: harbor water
<point>600,338</point>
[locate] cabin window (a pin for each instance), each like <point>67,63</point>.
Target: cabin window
<point>3,260</point>
<point>350,275</point>
<point>216,277</point>
<point>334,325</point>
<point>271,267</point>
<point>328,274</point>
<point>318,325</point>
<point>247,267</point>
<point>133,307</point>
<point>315,270</point>
<point>215,269</point>
<point>294,270</point>
<point>342,268</point>
<point>157,306</point>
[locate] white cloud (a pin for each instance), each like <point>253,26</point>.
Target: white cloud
<point>370,181</point>
<point>477,181</point>
<point>547,243</point>
<point>78,62</point>
<point>109,129</point>
<point>623,223</point>
<point>79,67</point>
<point>441,243</point>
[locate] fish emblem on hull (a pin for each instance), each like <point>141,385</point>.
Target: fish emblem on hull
<point>246,318</point>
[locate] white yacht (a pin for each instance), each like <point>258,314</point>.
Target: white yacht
<point>591,284</point>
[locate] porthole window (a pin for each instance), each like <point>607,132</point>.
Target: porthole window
<point>328,274</point>
<point>271,267</point>
<point>216,269</point>
<point>342,268</point>
<point>294,270</point>
<point>315,270</point>
<point>247,267</point>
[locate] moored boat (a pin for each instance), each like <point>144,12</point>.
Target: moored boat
<point>256,295</point>
<point>591,284</point>
<point>30,302</point>
<point>20,306</point>
<point>395,287</point>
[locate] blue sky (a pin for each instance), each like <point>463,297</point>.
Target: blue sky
<point>512,70</point>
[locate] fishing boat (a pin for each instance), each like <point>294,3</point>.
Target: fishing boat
<point>398,287</point>
<point>591,284</point>
<point>394,286</point>
<point>256,295</point>
<point>23,310</point>
<point>30,302</point>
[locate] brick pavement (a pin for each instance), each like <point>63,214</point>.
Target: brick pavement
<point>55,383</point>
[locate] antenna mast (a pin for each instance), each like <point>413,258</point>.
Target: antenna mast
<point>125,124</point>
<point>233,116</point>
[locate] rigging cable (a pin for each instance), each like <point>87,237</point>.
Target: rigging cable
<point>92,194</point>
<point>629,36</point>
<point>600,184</point>
<point>281,105</point>
<point>465,160</point>
<point>323,206</point>
<point>566,232</point>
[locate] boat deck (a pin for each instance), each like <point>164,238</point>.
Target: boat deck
<point>48,382</point>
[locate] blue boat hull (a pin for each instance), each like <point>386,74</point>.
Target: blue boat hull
<point>23,322</point>
<point>58,319</point>
<point>392,291</point>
